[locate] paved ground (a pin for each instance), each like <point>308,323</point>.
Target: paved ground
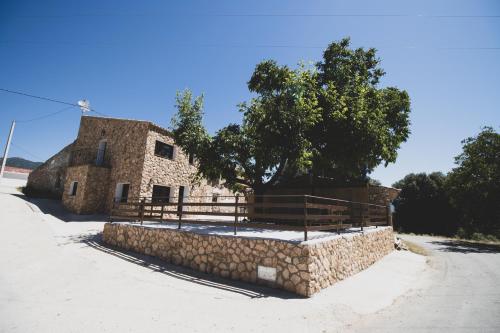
<point>463,296</point>
<point>15,175</point>
<point>55,276</point>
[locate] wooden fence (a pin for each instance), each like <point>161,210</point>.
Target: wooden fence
<point>281,212</point>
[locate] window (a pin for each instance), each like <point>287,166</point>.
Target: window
<point>73,188</point>
<point>181,193</point>
<point>164,150</point>
<point>160,194</point>
<point>191,159</point>
<point>101,151</point>
<point>215,197</point>
<point>121,192</point>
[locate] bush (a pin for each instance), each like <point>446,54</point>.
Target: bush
<point>461,233</point>
<point>477,236</point>
<point>423,206</point>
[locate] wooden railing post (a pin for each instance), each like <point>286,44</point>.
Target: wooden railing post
<point>389,215</point>
<point>362,216</point>
<point>236,213</point>
<point>305,217</point>
<point>141,209</point>
<point>113,207</point>
<point>161,213</point>
<point>180,213</point>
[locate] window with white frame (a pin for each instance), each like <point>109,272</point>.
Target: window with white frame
<point>121,192</point>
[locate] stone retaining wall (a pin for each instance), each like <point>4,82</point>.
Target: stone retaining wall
<point>303,268</point>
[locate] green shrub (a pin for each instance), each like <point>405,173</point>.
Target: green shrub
<point>477,236</point>
<point>462,233</point>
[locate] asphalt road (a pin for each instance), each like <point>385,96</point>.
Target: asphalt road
<point>462,294</point>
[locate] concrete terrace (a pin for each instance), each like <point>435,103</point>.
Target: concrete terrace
<point>253,233</point>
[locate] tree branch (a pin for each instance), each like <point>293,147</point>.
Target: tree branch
<point>278,173</point>
<point>243,181</point>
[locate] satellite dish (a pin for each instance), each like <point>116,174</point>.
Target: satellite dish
<point>84,105</point>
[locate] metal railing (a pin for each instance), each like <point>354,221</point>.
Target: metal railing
<point>304,213</point>
<point>89,156</point>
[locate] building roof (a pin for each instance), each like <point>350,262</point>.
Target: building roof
<point>152,126</point>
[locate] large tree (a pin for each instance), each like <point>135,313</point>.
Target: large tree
<point>330,119</point>
<point>361,124</point>
<point>474,185</point>
<point>271,140</point>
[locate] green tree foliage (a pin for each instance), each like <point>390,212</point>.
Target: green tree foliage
<point>330,119</point>
<point>362,125</point>
<point>474,185</point>
<point>468,198</point>
<point>423,205</point>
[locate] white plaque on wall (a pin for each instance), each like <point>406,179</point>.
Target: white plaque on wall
<point>266,273</point>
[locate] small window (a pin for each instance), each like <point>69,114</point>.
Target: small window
<point>121,192</point>
<point>164,150</point>
<point>124,196</point>
<point>101,152</point>
<point>160,194</point>
<point>191,159</point>
<point>215,197</point>
<point>73,188</point>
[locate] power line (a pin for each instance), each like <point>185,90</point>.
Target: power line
<point>257,46</point>
<point>39,97</point>
<point>383,15</point>
<point>357,15</point>
<point>47,99</point>
<point>27,151</point>
<point>45,116</point>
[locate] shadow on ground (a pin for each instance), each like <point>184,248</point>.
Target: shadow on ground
<point>55,208</point>
<point>460,246</point>
<point>183,273</point>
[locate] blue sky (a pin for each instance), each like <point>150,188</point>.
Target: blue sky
<point>129,59</point>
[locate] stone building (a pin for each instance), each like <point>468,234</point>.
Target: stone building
<point>48,179</point>
<point>121,160</point>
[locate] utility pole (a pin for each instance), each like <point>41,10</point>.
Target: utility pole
<point>6,151</point>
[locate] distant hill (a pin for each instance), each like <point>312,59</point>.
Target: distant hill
<point>18,162</point>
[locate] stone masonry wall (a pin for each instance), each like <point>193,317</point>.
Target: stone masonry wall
<point>303,268</point>
<point>75,202</point>
<point>338,259</point>
<point>48,178</point>
<point>130,146</point>
<point>125,144</point>
<point>174,172</point>
<point>91,190</point>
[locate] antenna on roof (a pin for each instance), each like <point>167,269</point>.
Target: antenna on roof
<point>84,105</point>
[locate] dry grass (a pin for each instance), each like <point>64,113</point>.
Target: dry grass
<point>415,248</point>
